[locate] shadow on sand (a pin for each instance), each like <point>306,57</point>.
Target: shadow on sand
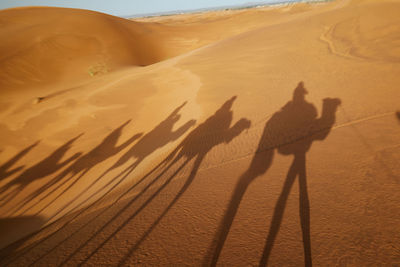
<point>47,166</point>
<point>160,136</point>
<point>212,132</point>
<point>5,168</point>
<point>292,130</point>
<point>215,130</point>
<point>12,229</point>
<point>80,166</point>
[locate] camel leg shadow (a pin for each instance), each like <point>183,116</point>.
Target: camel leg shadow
<point>188,182</point>
<point>298,168</point>
<point>260,164</point>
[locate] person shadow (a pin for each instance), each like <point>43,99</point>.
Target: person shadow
<point>158,137</point>
<point>82,165</point>
<point>47,166</point>
<point>213,131</point>
<point>291,131</point>
<point>5,169</point>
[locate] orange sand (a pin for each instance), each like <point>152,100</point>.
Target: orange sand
<point>230,138</point>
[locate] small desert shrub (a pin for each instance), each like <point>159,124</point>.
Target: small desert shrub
<point>99,68</point>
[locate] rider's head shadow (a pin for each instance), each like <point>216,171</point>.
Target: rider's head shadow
<point>299,92</point>
<point>227,106</point>
<point>175,116</point>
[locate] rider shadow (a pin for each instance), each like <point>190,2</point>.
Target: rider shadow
<point>47,166</point>
<point>83,164</point>
<point>215,130</point>
<point>5,168</point>
<point>158,137</point>
<point>291,131</point>
<point>77,170</point>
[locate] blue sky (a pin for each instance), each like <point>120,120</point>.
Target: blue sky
<point>129,7</point>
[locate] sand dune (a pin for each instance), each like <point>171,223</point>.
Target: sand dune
<point>265,136</point>
<point>39,47</point>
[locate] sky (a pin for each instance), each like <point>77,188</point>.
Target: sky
<point>131,7</point>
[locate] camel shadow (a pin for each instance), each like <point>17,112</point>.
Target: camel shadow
<point>79,165</point>
<point>5,168</point>
<point>106,149</point>
<point>45,167</point>
<point>291,131</point>
<point>194,146</point>
<point>159,136</point>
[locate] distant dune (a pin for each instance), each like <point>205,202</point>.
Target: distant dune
<point>252,137</point>
<point>42,45</point>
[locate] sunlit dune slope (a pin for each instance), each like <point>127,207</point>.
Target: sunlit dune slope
<point>64,47</point>
<point>367,30</point>
<point>42,45</point>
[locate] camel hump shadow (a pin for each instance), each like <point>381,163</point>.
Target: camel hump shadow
<point>294,128</point>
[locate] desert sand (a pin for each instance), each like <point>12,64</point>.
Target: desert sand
<point>253,137</point>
